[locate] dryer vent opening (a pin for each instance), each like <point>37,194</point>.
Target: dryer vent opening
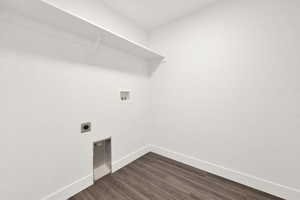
<point>102,158</point>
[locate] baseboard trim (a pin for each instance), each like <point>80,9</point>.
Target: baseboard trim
<point>85,182</point>
<point>71,189</point>
<point>243,178</point>
<point>130,158</point>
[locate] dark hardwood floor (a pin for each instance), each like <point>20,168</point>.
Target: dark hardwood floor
<point>153,177</point>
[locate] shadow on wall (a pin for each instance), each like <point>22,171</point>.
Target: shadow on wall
<point>25,36</point>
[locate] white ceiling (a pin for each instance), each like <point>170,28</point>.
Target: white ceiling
<point>150,14</point>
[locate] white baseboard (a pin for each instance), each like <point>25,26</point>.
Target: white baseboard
<point>72,189</point>
<point>130,158</point>
<point>85,182</point>
<point>243,178</point>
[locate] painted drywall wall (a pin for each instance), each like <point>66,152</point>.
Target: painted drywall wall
<point>97,12</point>
<point>51,82</point>
<point>227,95</point>
<point>229,91</point>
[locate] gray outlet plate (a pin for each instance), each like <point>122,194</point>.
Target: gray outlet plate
<point>86,127</point>
<point>125,95</point>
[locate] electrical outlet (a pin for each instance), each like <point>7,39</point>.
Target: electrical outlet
<point>86,127</point>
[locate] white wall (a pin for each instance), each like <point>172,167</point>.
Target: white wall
<point>50,82</point>
<point>227,94</point>
<point>229,91</point>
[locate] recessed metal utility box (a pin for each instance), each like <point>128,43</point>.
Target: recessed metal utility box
<point>102,158</point>
<point>124,95</point>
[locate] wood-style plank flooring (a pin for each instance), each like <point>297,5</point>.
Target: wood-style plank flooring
<point>153,177</point>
